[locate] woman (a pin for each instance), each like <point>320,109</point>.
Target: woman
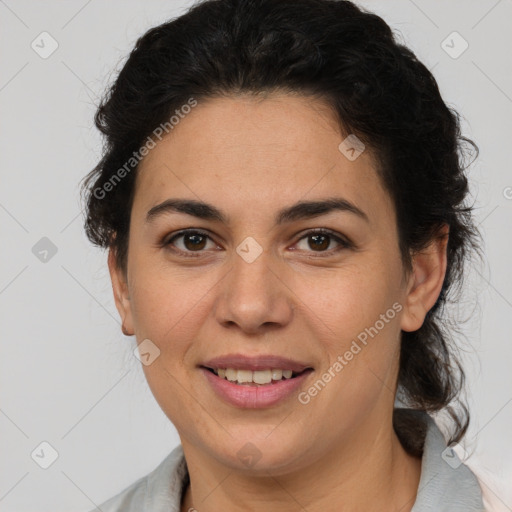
<point>284,201</point>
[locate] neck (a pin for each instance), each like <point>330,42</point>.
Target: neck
<point>359,475</point>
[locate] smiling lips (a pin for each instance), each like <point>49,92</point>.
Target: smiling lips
<point>254,382</point>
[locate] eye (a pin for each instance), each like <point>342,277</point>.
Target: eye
<point>191,241</point>
<point>195,241</point>
<point>319,240</point>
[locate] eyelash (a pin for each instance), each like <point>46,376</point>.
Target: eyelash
<point>343,243</point>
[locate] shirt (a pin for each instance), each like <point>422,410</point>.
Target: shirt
<point>446,484</point>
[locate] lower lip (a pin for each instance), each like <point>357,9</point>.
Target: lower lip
<point>254,397</point>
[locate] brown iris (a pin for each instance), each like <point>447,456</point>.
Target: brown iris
<point>322,245</point>
<point>197,240</point>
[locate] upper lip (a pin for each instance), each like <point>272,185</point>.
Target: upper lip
<point>254,363</point>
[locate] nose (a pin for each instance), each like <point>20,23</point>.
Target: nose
<point>254,296</point>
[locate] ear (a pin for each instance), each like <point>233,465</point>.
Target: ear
<point>425,281</point>
<point>121,294</point>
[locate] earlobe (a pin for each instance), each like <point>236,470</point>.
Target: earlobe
<point>121,294</point>
<point>425,281</point>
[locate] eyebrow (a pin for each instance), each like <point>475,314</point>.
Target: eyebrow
<point>299,211</point>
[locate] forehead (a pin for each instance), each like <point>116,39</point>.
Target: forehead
<point>256,152</point>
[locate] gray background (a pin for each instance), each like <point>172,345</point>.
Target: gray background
<point>67,374</point>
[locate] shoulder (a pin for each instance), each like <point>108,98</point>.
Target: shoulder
<point>446,484</point>
<point>158,491</point>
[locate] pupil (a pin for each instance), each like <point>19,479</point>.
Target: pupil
<point>323,245</point>
<point>196,243</point>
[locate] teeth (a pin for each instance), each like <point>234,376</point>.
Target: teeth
<point>231,374</point>
<point>253,377</point>
<point>244,376</point>
<point>262,376</point>
<point>277,374</point>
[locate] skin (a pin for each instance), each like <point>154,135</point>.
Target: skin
<point>250,157</point>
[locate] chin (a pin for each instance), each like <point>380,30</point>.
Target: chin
<point>260,455</point>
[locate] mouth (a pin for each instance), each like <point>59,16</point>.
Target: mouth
<point>258,381</point>
<point>262,377</point>
<point>255,389</point>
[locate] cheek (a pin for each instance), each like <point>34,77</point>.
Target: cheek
<point>170,307</point>
<point>351,316</point>
<point>344,302</point>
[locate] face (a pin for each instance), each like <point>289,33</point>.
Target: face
<point>256,278</point>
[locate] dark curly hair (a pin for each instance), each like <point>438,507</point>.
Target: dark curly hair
<point>378,90</point>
